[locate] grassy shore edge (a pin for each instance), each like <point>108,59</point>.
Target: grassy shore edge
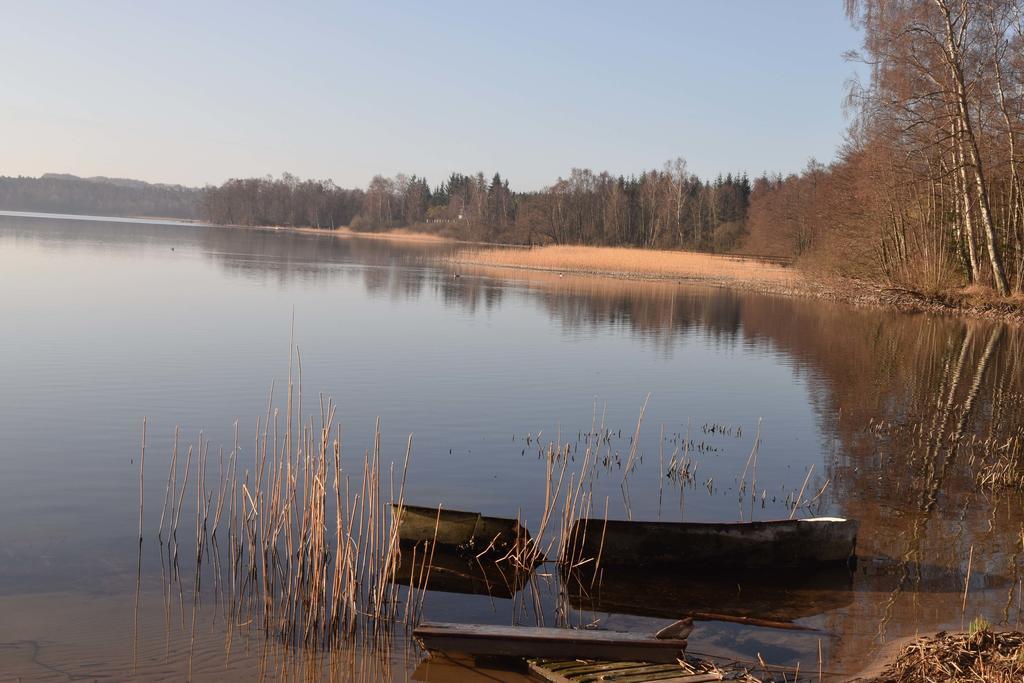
<point>803,284</point>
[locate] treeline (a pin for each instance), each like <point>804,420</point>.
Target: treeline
<point>928,193</point>
<point>668,208</point>
<point>99,196</point>
<point>285,201</point>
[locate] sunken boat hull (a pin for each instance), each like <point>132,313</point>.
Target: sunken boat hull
<point>779,599</point>
<point>450,571</point>
<point>716,548</point>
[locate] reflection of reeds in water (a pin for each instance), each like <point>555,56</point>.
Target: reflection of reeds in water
<point>634,262</point>
<point>311,550</point>
<point>983,438</point>
<point>962,449</point>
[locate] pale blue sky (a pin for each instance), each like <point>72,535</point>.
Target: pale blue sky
<point>196,92</point>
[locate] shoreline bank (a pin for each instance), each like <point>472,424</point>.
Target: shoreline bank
<point>747,273</point>
<point>737,272</point>
<point>985,653</point>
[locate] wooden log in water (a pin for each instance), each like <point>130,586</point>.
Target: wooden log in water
<point>527,642</point>
<point>577,671</point>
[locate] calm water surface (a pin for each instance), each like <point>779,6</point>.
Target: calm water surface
<point>104,323</point>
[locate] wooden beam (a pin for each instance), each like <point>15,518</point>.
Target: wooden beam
<point>513,641</point>
<point>575,671</point>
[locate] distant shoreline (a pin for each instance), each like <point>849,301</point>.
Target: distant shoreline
<point>743,273</point>
<point>736,272</point>
<point>145,220</point>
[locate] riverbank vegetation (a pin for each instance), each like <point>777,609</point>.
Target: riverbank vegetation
<point>659,209</point>
<point>926,194</point>
<point>97,196</point>
<point>979,654</point>
<point>636,263</point>
<point>928,191</point>
<point>284,201</point>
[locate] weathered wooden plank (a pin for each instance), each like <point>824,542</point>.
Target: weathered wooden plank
<point>540,633</point>
<point>505,641</point>
<point>663,677</point>
<point>579,666</point>
<point>596,669</point>
<point>570,671</point>
<point>686,678</point>
<point>642,672</point>
<point>541,670</point>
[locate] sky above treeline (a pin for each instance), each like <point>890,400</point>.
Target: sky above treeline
<point>198,92</point>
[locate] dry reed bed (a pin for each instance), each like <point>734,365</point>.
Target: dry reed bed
<point>312,551</point>
<point>635,263</point>
<point>397,234</point>
<point>983,656</point>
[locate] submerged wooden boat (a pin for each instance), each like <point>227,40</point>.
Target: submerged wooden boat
<point>453,572</point>
<point>753,598</point>
<point>716,548</point>
<point>522,641</point>
<point>457,529</point>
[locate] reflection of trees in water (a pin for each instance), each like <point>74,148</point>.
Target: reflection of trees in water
<point>660,315</point>
<point>394,269</point>
<point>470,293</point>
<point>309,256</point>
<point>939,380</point>
<point>908,398</point>
<point>660,311</point>
<point>943,377</point>
<point>917,405</point>
<point>918,408</point>
<point>949,379</point>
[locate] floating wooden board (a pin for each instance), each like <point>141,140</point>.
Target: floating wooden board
<point>521,641</point>
<point>582,671</point>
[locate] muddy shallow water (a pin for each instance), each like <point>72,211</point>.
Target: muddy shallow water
<point>105,323</point>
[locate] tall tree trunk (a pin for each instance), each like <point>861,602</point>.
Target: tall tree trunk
<point>1016,200</point>
<point>954,59</point>
<point>966,221</point>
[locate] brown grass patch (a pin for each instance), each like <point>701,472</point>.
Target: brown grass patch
<point>401,234</point>
<point>982,656</point>
<point>634,263</point>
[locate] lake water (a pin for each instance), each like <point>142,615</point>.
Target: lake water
<point>105,323</point>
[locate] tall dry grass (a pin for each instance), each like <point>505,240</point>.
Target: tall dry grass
<point>312,549</point>
<point>637,263</point>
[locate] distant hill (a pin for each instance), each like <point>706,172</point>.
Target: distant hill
<point>100,196</point>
